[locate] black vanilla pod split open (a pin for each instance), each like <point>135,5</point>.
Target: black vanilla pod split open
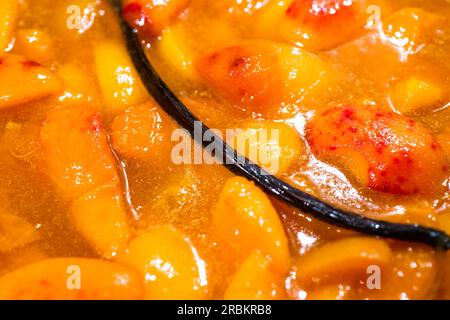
<point>269,183</point>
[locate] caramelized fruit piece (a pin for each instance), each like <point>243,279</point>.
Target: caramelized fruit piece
<point>385,151</point>
<point>273,145</point>
<point>100,216</point>
<point>152,17</point>
<point>245,218</point>
<point>143,131</point>
<point>260,75</point>
<point>8,14</point>
<point>415,94</point>
<point>35,45</point>
<point>409,29</point>
<point>77,151</point>
<point>15,232</point>
<point>82,165</point>
<point>35,81</point>
<point>343,259</point>
<point>50,280</point>
<point>169,264</point>
<point>248,75</point>
<point>314,24</point>
<point>327,22</point>
<point>255,281</point>
<point>119,81</point>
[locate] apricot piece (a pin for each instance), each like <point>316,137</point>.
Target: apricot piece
<point>152,17</point>
<point>169,265</point>
<point>245,218</point>
<point>259,75</point>
<point>35,44</point>
<point>409,29</point>
<point>119,81</point>
<point>143,131</point>
<point>100,216</point>
<point>327,22</point>
<point>255,281</point>
<point>413,276</point>
<point>8,15</point>
<point>393,153</point>
<point>313,24</point>
<point>79,88</point>
<point>343,259</point>
<point>77,153</point>
<point>15,232</point>
<point>71,279</point>
<point>413,94</point>
<point>273,145</point>
<point>35,81</point>
<point>246,74</point>
<point>172,47</point>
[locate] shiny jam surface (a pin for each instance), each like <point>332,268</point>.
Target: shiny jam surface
<point>358,93</point>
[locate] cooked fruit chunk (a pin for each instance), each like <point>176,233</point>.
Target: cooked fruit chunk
<point>248,75</point>
<point>273,145</point>
<point>313,24</point>
<point>71,279</point>
<point>143,131</point>
<point>8,14</point>
<point>35,81</point>
<point>328,22</point>
<point>255,281</point>
<point>245,218</point>
<point>260,75</point>
<point>100,216</point>
<point>410,28</point>
<point>151,17</point>
<point>34,44</point>
<point>79,89</point>
<point>15,232</point>
<point>82,165</point>
<point>342,259</point>
<point>119,81</point>
<point>169,264</point>
<point>77,152</point>
<point>384,151</point>
<point>413,275</point>
<point>172,47</point>
<point>414,94</point>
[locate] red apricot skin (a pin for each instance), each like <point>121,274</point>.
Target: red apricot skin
<point>402,156</point>
<point>248,75</point>
<point>328,23</point>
